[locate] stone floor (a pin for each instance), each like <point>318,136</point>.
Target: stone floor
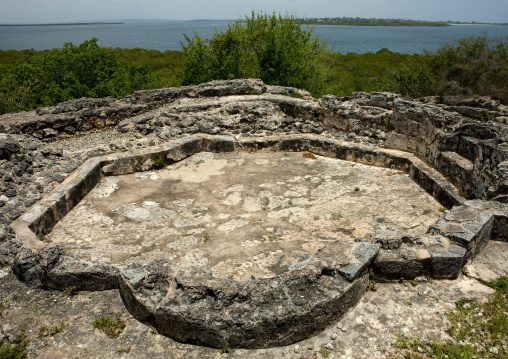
<point>368,331</point>
<point>241,214</point>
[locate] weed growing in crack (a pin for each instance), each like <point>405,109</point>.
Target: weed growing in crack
<point>487,116</point>
<point>324,353</point>
<point>15,349</point>
<point>42,235</point>
<point>371,286</point>
<point>70,291</point>
<point>5,303</point>
<point>388,124</point>
<point>159,163</point>
<point>112,328</point>
<point>225,348</point>
<point>45,331</point>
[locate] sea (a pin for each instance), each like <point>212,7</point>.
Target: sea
<point>165,35</point>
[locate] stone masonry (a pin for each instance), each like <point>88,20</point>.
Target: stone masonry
<point>51,158</point>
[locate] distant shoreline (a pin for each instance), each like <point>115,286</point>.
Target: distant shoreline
<point>68,23</point>
<point>350,21</point>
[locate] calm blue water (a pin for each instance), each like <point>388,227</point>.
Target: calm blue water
<point>168,34</point>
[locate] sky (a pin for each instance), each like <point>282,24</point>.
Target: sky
<point>50,11</point>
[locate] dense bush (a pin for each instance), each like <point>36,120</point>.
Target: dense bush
<point>58,75</point>
<point>274,48</point>
<point>474,66</point>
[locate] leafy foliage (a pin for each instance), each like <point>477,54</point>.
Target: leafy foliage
<point>16,349</point>
<point>85,70</point>
<point>278,49</point>
<point>474,66</point>
<point>348,73</point>
<point>275,48</point>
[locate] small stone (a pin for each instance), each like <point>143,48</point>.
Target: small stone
<point>10,193</point>
<point>50,132</point>
<point>343,329</point>
<point>333,336</point>
<point>296,349</point>
<point>329,346</point>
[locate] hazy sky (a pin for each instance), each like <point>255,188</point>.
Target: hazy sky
<point>42,11</point>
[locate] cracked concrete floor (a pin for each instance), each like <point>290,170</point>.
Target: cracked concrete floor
<point>241,214</point>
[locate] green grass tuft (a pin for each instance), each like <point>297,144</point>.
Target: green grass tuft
<point>112,328</point>
<point>478,330</point>
<point>15,349</point>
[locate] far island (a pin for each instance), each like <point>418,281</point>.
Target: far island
<point>358,21</point>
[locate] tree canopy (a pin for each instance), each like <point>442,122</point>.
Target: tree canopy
<point>84,70</point>
<point>276,48</point>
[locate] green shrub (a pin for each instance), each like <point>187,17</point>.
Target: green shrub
<point>275,48</point>
<point>58,75</point>
<point>473,66</point>
<point>414,78</point>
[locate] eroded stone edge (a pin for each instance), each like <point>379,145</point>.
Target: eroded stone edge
<point>49,268</point>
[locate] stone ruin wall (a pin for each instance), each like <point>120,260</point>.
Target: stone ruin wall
<point>441,145</point>
<point>456,140</point>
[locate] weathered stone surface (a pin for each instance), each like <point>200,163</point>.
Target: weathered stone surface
<point>50,269</point>
<point>32,268</point>
<point>389,239</point>
<point>473,224</point>
<point>490,263</point>
<point>366,331</point>
<point>365,254</point>
<point>82,275</point>
<point>252,314</point>
<point>8,147</point>
<point>500,229</point>
<point>405,262</point>
<point>468,160</point>
<point>9,245</point>
<point>447,264</point>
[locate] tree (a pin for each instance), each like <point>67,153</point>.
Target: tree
<point>85,70</point>
<point>275,48</point>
